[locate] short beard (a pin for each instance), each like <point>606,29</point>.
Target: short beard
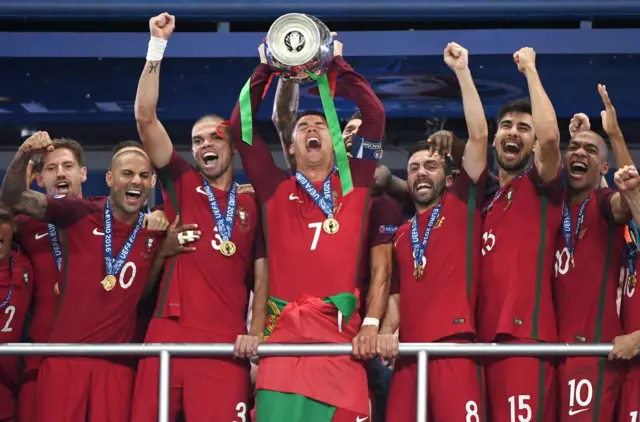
<point>516,166</point>
<point>438,193</point>
<point>220,172</point>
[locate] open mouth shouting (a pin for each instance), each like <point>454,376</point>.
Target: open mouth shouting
<point>577,169</point>
<point>133,195</point>
<point>511,149</point>
<point>62,187</point>
<point>210,159</point>
<point>313,144</point>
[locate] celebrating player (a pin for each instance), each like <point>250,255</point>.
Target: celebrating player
<point>438,277</point>
<point>522,220</point>
<point>106,258</point>
<point>587,269</point>
<point>314,237</point>
<point>204,297</point>
<point>16,286</point>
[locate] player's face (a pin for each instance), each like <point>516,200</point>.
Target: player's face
<point>130,180</point>
<point>61,174</point>
<point>585,161</point>
<point>212,153</point>
<point>7,228</point>
<point>311,141</point>
<point>349,130</point>
<point>426,178</point>
<point>514,141</point>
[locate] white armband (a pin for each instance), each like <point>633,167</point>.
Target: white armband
<point>371,321</point>
<point>155,52</point>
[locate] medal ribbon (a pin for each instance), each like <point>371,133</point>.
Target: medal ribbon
<point>419,248</point>
<point>500,191</point>
<point>632,249</point>
<point>567,223</point>
<point>7,299</point>
<point>324,200</point>
<point>114,265</point>
<point>224,225</point>
<point>55,245</point>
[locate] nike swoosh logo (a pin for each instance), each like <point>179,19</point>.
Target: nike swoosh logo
<point>97,233</point>
<point>359,419</point>
<point>292,197</point>
<point>575,412</point>
<point>200,189</point>
<point>40,236</point>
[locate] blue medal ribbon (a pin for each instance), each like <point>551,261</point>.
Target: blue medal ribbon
<point>325,200</point>
<point>114,265</point>
<point>419,248</point>
<point>500,191</point>
<point>632,250</point>
<point>55,245</point>
<point>7,299</point>
<point>224,225</point>
<point>566,227</point>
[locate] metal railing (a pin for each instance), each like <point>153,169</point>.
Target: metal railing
<point>422,350</point>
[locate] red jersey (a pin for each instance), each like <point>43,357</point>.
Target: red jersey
<point>585,295</point>
<point>385,217</point>
<point>205,289</point>
<point>519,239</point>
<point>13,310</point>
<point>88,313</point>
<point>442,302</point>
<point>304,260</point>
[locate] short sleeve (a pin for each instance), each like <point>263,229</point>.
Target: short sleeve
<point>554,190</point>
<point>66,211</point>
<point>384,219</point>
<point>603,202</point>
<point>174,170</point>
<point>464,187</point>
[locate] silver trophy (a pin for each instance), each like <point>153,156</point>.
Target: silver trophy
<point>297,44</point>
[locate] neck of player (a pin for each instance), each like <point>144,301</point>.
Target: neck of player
<point>5,254</point>
<point>122,215</point>
<point>505,176</point>
<point>316,173</point>
<point>577,196</point>
<point>223,181</point>
<point>422,208</point>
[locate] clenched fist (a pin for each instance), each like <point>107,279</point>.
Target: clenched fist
<point>627,178</point>
<point>578,123</point>
<point>162,26</point>
<point>525,59</point>
<point>456,57</point>
<point>38,142</point>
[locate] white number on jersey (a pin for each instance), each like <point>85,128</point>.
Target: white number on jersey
<point>472,412</point>
<point>316,234</point>
<point>523,407</point>
<point>216,242</point>
<point>563,259</point>
<point>488,242</point>
<point>634,416</point>
<point>576,394</point>
<point>11,311</point>
<point>129,277</point>
<point>242,412</point>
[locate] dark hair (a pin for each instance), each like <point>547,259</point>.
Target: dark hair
<point>309,113</point>
<point>424,146</point>
<point>126,144</point>
<point>521,105</point>
<point>356,115</point>
<point>209,117</point>
<point>61,143</point>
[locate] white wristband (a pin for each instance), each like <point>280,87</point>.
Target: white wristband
<point>371,321</point>
<point>156,48</point>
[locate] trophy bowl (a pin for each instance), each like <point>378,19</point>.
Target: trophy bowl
<point>297,44</point>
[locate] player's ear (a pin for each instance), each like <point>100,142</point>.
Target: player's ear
<point>109,178</point>
<point>154,180</point>
<point>83,171</point>
<point>39,181</point>
<point>605,168</point>
<point>291,150</point>
<point>448,181</point>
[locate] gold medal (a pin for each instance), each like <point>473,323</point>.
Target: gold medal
<point>573,262</point>
<point>418,271</point>
<point>56,289</point>
<point>331,225</point>
<point>228,248</point>
<point>632,281</point>
<point>109,282</point>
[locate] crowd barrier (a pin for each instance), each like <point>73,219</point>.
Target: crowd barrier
<point>422,350</point>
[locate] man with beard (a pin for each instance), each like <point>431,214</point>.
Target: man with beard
<point>521,222</point>
<point>436,279</point>
<point>60,172</point>
<point>16,286</point>
<point>204,294</point>
<point>315,235</point>
<point>587,269</point>
<point>384,218</point>
<point>106,258</point>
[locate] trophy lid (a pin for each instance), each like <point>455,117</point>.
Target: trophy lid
<point>294,39</point>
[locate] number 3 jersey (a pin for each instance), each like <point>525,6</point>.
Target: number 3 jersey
<point>204,289</point>
<point>585,294</point>
<point>87,312</point>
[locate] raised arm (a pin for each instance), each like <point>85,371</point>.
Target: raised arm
<point>153,135</point>
<point>475,152</point>
<point>15,192</point>
<point>545,122</point>
<point>285,110</point>
<point>610,125</point>
<point>628,184</point>
<point>262,171</point>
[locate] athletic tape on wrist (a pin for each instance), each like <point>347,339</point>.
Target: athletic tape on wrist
<point>155,52</point>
